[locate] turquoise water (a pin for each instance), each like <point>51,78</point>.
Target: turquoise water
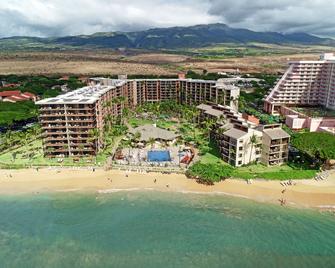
<point>160,230</point>
<point>159,156</point>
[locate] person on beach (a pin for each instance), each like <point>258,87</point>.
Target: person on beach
<point>282,201</point>
<point>167,186</point>
<point>283,191</point>
<point>155,180</point>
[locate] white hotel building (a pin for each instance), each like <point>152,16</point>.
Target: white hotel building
<point>305,83</point>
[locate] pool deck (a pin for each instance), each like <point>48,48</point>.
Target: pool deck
<point>159,156</point>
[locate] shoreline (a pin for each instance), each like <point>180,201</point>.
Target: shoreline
<point>304,194</point>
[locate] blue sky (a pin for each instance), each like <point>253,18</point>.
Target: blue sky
<point>72,17</point>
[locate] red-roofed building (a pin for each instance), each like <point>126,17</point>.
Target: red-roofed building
<point>10,85</point>
<point>250,118</point>
<point>9,93</point>
<point>29,95</point>
<point>10,99</point>
<point>16,95</point>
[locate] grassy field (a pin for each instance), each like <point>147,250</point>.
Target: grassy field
<point>225,51</point>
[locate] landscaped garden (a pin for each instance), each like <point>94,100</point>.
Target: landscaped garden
<point>31,154</point>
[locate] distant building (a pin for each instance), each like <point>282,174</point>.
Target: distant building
<point>305,83</point>
<point>16,95</point>
<point>309,84</point>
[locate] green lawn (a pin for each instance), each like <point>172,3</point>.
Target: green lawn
<point>210,158</point>
<point>161,123</point>
<point>284,172</point>
<point>22,159</point>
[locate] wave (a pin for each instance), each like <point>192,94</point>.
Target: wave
<point>115,190</point>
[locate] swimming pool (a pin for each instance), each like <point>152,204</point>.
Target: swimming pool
<point>159,156</point>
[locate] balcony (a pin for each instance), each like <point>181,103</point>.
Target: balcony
<point>54,127</point>
<point>58,144</point>
<point>80,126</point>
<point>52,115</point>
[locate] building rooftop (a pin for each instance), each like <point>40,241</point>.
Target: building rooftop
<point>90,94</point>
<point>235,133</point>
<point>276,133</point>
<point>213,112</point>
<point>85,95</point>
<point>204,107</point>
<point>150,131</point>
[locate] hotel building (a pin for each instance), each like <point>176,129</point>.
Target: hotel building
<point>241,140</point>
<point>305,83</point>
<point>73,123</point>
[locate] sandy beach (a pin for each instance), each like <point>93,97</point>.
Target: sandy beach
<point>305,193</point>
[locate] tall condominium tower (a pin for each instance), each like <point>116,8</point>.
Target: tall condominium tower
<point>305,83</point>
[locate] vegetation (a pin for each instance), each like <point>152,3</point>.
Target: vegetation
<point>252,102</point>
<point>11,113</point>
<point>42,86</point>
<point>297,170</point>
<point>205,75</point>
<point>284,172</point>
<point>209,173</point>
<point>318,145</point>
<point>31,154</point>
<point>10,139</point>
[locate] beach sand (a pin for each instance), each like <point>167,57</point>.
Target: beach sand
<point>305,193</point>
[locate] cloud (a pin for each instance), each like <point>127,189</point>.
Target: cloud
<point>72,17</point>
<point>312,16</point>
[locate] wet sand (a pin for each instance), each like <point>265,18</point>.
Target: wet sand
<point>305,193</point>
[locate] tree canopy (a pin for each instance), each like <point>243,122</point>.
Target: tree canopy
<point>316,144</point>
<point>209,173</point>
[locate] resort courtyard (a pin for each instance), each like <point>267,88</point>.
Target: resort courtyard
<point>149,145</point>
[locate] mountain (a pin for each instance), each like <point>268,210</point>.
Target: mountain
<point>172,38</point>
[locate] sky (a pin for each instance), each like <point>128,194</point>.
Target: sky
<point>47,18</point>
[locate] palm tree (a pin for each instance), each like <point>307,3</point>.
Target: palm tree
<point>14,154</point>
<point>127,144</point>
<point>253,141</point>
<point>151,142</point>
<point>137,136</point>
<point>94,136</point>
<point>125,113</point>
<point>208,125</point>
<point>221,130</point>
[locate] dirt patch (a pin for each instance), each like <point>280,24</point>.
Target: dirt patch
<point>119,62</point>
<point>158,58</point>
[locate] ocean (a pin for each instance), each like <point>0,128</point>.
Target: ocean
<point>152,229</point>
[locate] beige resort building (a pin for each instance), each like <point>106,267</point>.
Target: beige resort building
<point>242,141</point>
<point>69,120</point>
